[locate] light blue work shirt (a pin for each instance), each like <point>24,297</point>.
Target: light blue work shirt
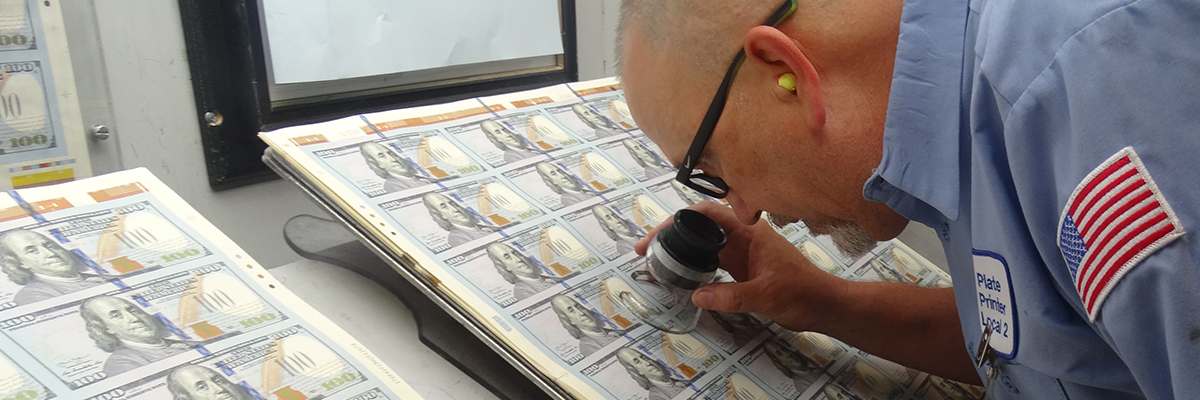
<point>998,111</point>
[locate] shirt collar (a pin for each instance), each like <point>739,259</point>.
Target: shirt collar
<point>919,172</point>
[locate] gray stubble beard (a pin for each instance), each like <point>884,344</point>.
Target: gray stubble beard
<point>850,238</point>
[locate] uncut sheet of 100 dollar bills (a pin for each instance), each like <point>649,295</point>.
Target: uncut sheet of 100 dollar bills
<point>524,208</point>
<point>115,288</point>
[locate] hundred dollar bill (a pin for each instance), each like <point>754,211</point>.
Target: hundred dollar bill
<point>782,368</point>
<point>821,349</point>
<point>639,156</point>
<point>16,28</point>
<point>894,263</point>
<point>569,179</point>
<point>72,253</point>
<point>869,381</point>
<point>579,321</point>
<point>902,375</point>
<point>732,384</point>
<point>730,331</point>
<point>832,390</point>
<point>373,394</point>
<point>513,137</point>
<point>454,216</point>
<point>613,227</point>
<point>820,255</point>
<point>938,388</point>
<point>17,383</point>
<point>646,299</point>
<point>87,341</point>
<point>596,118</point>
<point>658,365</point>
<point>25,123</point>
<point>793,230</point>
<point>525,263</point>
<point>400,163</point>
<point>291,364</point>
<point>675,196</point>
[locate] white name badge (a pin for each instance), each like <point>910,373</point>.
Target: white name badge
<point>994,298</point>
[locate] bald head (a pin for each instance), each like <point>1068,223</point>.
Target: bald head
<point>699,28</point>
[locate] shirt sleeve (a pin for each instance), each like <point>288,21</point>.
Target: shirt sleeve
<point>1129,80</point>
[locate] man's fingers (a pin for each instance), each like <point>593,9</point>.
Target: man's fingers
<point>727,297</point>
<point>722,215</point>
<point>644,243</point>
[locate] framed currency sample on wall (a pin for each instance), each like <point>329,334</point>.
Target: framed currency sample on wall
<point>42,139</point>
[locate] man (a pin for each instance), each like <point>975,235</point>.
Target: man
<point>461,224</point>
<point>647,159</point>
<point>193,382</point>
<point>397,173</point>
<point>650,374</point>
<point>622,232</point>
<point>41,266</point>
<point>1036,138</point>
<point>602,126</point>
<point>569,188</point>
<point>134,337</point>
<point>519,270</point>
<point>583,324</point>
<point>515,147</point>
<point>794,365</point>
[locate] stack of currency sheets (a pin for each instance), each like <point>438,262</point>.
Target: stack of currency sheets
<point>523,210</point>
<point>117,289</point>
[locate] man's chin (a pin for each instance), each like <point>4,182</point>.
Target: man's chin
<point>849,238</point>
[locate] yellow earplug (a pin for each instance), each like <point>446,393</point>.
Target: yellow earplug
<point>788,81</point>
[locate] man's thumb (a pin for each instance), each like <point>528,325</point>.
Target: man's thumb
<point>724,297</point>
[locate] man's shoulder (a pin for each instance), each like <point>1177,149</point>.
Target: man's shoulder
<point>1017,41</point>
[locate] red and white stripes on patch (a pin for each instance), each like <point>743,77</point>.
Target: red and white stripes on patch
<point>1121,217</point>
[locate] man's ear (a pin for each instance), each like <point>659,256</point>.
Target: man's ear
<point>774,51</point>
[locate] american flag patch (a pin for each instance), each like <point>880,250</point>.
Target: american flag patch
<point>1115,218</point>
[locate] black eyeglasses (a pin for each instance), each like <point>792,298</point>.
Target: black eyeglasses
<point>687,175</point>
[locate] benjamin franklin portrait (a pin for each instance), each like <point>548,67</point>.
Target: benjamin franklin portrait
<point>654,165</point>
<point>622,232</point>
<point>569,189</point>
<point>520,270</point>
<point>134,337</point>
<point>397,173</point>
<point>583,324</point>
<point>42,267</point>
<point>461,224</point>
<point>650,374</point>
<point>514,146</point>
<point>602,126</point>
<point>193,382</point>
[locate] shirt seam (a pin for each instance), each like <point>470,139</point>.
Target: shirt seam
<point>1057,55</point>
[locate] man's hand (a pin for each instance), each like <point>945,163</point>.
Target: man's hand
<point>773,278</point>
